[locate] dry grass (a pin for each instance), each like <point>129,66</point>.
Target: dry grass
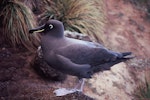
<point>84,16</point>
<point>142,5</point>
<point>37,6</point>
<point>17,20</point>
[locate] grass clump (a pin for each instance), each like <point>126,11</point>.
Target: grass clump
<point>37,6</point>
<point>143,91</point>
<point>17,19</point>
<point>83,16</point>
<point>143,5</point>
<point>139,2</point>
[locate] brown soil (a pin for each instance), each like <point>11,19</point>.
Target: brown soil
<point>19,81</point>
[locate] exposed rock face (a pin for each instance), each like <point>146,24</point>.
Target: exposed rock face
<point>127,30</point>
<point>45,71</point>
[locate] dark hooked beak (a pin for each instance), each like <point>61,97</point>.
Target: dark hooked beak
<point>39,29</point>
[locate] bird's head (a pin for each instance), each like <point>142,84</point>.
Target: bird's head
<point>52,27</point>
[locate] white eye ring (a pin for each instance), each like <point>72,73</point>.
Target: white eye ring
<point>50,26</point>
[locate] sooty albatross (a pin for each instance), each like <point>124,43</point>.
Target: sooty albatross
<point>75,57</point>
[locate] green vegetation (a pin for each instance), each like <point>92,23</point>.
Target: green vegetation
<point>17,19</point>
<point>84,16</point>
<point>143,91</point>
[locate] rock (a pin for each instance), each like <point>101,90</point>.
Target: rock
<point>47,72</point>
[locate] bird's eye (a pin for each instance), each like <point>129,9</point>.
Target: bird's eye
<point>50,26</point>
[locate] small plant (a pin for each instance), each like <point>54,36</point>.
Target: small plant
<point>143,91</point>
<point>17,19</point>
<point>83,16</point>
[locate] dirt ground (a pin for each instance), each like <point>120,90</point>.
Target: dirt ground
<point>127,29</point>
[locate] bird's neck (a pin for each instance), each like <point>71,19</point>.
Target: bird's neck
<point>49,43</point>
<point>57,36</point>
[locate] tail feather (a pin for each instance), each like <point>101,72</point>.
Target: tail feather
<point>127,55</point>
<point>108,65</point>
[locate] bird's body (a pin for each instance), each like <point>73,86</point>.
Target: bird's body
<point>75,57</point>
<point>78,52</point>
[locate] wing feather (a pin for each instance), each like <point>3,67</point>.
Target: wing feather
<point>86,54</point>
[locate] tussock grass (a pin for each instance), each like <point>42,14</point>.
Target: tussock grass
<point>83,16</point>
<point>139,2</point>
<point>17,19</point>
<point>143,5</point>
<point>37,6</point>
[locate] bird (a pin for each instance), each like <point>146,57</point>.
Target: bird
<point>75,57</point>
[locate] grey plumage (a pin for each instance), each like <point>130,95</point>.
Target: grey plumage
<point>75,57</point>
